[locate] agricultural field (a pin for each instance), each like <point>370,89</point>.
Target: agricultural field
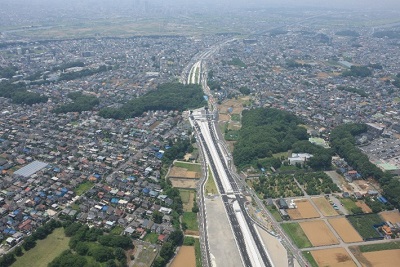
<point>364,225</point>
<point>377,254</point>
<point>192,171</point>
<point>185,257</point>
<point>194,167</point>
<point>317,183</point>
<point>318,233</point>
<point>304,210</point>
<point>345,230</point>
<point>324,206</point>
<point>296,233</point>
<point>333,257</point>
<point>190,219</point>
<point>391,216</point>
<point>364,207</point>
<point>383,258</point>
<point>184,183</point>
<point>45,251</point>
<point>275,186</point>
<point>187,197</point>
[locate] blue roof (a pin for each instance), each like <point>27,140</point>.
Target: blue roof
<point>104,208</point>
<point>146,190</point>
<point>382,199</point>
<point>114,200</point>
<point>97,175</point>
<point>159,155</point>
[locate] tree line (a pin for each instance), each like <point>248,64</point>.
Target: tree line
<point>168,96</point>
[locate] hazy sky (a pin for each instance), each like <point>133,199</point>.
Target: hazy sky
<point>357,4</point>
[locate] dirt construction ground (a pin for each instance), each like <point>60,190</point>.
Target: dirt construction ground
<point>345,230</point>
<point>384,258</point>
<point>304,210</point>
<point>324,206</point>
<point>185,257</point>
<point>333,257</point>
<point>318,233</point>
<point>391,216</point>
<point>184,183</point>
<point>184,173</point>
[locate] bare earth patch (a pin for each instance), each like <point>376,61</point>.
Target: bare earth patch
<point>384,258</point>
<point>333,257</point>
<point>304,210</point>
<point>184,183</point>
<point>318,233</point>
<point>365,208</point>
<point>184,173</point>
<point>324,206</point>
<point>185,257</point>
<point>391,216</point>
<point>345,230</point>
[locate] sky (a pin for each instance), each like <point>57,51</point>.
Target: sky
<point>353,4</point>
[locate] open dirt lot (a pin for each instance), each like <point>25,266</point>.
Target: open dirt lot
<point>236,106</point>
<point>333,257</point>
<point>304,210</point>
<point>275,249</point>
<point>185,257</point>
<point>184,173</point>
<point>391,216</point>
<point>345,230</point>
<point>365,208</point>
<point>224,117</point>
<point>184,183</point>
<point>384,258</point>
<point>318,233</point>
<point>324,206</point>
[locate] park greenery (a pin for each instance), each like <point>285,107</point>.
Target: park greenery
<point>316,183</point>
<point>19,95</point>
<point>350,89</point>
<point>237,62</point>
<point>67,76</point>
<point>91,247</point>
<point>343,141</point>
<point>358,71</point>
<point>80,102</point>
<point>294,64</point>
<point>168,96</point>
<point>268,131</point>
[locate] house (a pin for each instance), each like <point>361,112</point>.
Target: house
<point>282,204</point>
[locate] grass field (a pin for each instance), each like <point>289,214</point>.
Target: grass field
<point>188,198</point>
<point>294,231</point>
<point>364,224</point>
<point>275,213</point>
<point>379,247</point>
<point>197,253</point>
<point>190,218</point>
<point>235,117</point>
<point>151,237</point>
<point>189,166</point>
<point>145,257</point>
<point>45,251</point>
<point>349,204</point>
<point>210,186</point>
<point>82,188</point>
<point>117,230</point>
<point>310,258</point>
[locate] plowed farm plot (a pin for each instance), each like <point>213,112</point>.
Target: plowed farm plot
<point>333,257</point>
<point>183,173</point>
<point>318,233</point>
<point>384,258</point>
<point>391,216</point>
<point>184,183</point>
<point>304,210</point>
<point>324,206</point>
<point>345,230</point>
<point>365,208</point>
